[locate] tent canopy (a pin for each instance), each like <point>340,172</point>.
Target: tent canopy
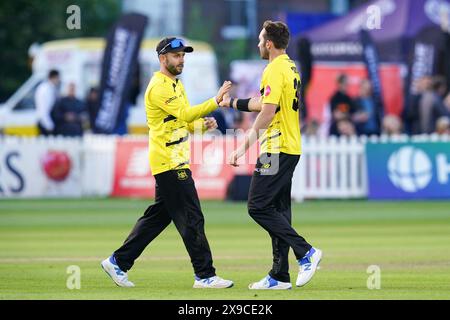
<point>401,21</point>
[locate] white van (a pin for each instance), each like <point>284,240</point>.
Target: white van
<point>79,61</point>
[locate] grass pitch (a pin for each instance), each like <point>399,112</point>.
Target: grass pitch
<point>408,241</point>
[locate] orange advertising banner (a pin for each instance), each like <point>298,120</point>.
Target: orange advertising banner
<point>133,178</point>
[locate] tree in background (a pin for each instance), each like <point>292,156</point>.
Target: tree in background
<point>203,27</point>
<point>24,22</point>
<point>199,26</point>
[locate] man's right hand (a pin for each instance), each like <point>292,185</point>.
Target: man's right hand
<point>225,88</point>
<point>226,101</point>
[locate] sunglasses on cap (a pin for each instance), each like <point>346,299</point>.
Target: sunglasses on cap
<point>174,44</point>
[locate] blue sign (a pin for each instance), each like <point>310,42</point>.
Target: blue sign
<point>408,170</point>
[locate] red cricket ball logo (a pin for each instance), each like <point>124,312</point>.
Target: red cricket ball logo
<point>56,165</point>
<point>267,91</point>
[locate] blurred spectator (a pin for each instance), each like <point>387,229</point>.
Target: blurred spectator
<point>92,105</point>
<point>45,98</point>
<point>427,105</point>
<point>440,87</point>
<point>346,128</point>
<point>243,121</point>
<point>122,118</point>
<point>447,105</point>
<point>392,125</point>
<point>443,125</point>
<point>365,118</point>
<point>411,112</point>
<point>69,114</point>
<point>312,128</point>
<point>342,106</point>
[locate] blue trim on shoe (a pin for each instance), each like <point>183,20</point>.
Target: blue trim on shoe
<point>112,260</point>
<point>117,269</point>
<point>205,280</point>
<point>306,259</point>
<point>272,282</point>
<point>310,252</point>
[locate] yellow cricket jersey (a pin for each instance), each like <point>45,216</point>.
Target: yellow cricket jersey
<point>170,119</point>
<point>280,85</point>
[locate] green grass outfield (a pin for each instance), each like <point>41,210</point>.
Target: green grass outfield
<point>409,241</point>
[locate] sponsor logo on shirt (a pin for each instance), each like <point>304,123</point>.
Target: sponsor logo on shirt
<point>170,99</point>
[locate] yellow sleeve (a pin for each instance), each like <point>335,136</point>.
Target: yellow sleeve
<point>167,100</point>
<point>197,126</point>
<point>273,86</point>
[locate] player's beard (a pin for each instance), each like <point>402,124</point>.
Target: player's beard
<point>264,53</point>
<point>175,70</point>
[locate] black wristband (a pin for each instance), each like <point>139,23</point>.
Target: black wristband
<point>242,105</point>
<point>231,103</point>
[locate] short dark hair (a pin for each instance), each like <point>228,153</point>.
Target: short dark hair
<point>278,33</point>
<point>53,74</point>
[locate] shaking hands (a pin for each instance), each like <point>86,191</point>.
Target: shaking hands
<point>224,90</point>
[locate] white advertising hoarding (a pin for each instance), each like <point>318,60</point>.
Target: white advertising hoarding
<point>37,168</point>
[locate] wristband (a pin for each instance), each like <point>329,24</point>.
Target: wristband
<point>231,103</point>
<point>242,105</point>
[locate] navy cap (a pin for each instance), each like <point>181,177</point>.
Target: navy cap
<point>172,45</point>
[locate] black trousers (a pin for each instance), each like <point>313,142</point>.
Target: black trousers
<point>177,201</point>
<point>269,205</point>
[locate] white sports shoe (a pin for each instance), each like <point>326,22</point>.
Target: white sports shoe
<point>308,266</point>
<point>269,283</point>
<point>118,276</point>
<point>212,283</point>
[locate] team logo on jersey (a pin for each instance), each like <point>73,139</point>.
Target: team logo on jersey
<point>182,175</point>
<point>267,92</point>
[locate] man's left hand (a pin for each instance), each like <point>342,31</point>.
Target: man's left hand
<point>235,155</point>
<point>210,123</point>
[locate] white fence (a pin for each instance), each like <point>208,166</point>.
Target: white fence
<point>329,167</point>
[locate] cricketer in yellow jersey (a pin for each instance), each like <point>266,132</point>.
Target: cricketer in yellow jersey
<point>170,119</point>
<point>277,127</point>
